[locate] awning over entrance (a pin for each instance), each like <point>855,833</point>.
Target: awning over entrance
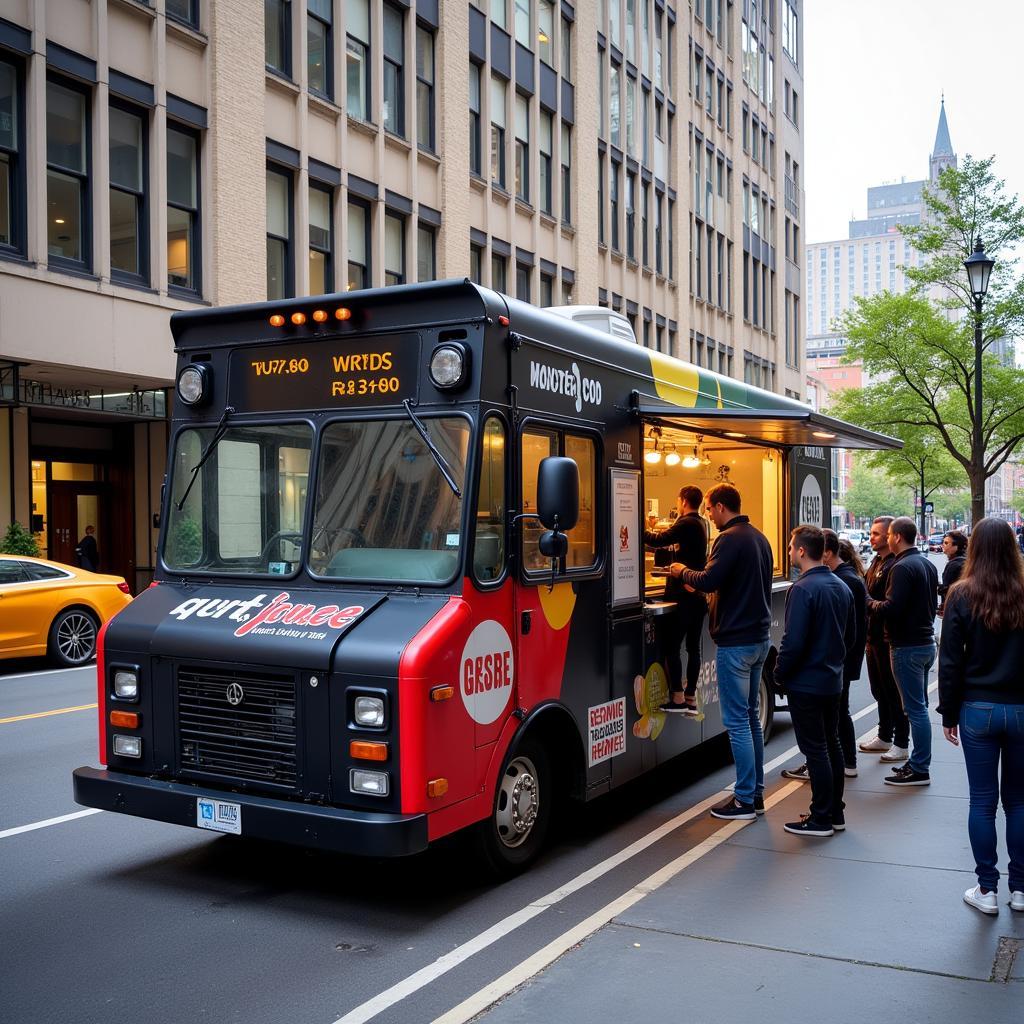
<point>766,426</point>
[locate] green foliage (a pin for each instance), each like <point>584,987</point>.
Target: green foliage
<point>18,541</point>
<point>872,492</point>
<point>952,505</point>
<point>185,543</point>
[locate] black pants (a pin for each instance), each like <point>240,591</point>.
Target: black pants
<point>816,724</point>
<point>893,724</point>
<point>847,734</point>
<point>684,626</point>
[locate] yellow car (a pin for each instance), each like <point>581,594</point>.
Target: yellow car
<point>55,609</point>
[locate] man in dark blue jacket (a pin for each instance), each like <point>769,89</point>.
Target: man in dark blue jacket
<point>820,626</point>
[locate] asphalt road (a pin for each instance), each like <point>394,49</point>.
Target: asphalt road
<point>108,918</point>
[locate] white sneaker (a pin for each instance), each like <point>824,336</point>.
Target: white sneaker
<point>850,773</point>
<point>1017,900</point>
<point>895,754</point>
<point>875,746</point>
<point>985,902</point>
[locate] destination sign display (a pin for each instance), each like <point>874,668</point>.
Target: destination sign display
<point>328,373</point>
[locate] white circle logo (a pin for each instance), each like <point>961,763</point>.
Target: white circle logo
<point>811,508</point>
<point>487,672</point>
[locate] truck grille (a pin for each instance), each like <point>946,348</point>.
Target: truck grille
<point>252,740</point>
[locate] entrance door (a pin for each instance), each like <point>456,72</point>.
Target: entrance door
<point>73,507</point>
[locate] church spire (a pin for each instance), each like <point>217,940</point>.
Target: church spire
<point>942,155</point>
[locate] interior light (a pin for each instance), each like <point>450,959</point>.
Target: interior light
<point>320,315</point>
<point>733,433</point>
<point>823,434</point>
<point>343,313</point>
<point>277,320</point>
<point>542,37</point>
<point>691,462</point>
<point>298,319</point>
<point>672,458</point>
<point>653,457</point>
<point>58,220</point>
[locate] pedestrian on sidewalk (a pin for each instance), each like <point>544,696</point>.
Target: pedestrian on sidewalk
<point>820,628</point>
<point>981,700</point>
<point>908,614</point>
<point>954,547</point>
<point>738,578</point>
<point>893,739</point>
<point>689,536</point>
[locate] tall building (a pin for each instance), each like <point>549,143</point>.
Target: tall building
<point>163,154</point>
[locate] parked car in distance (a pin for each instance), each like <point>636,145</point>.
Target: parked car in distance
<point>935,541</point>
<point>55,609</point>
<point>858,538</point>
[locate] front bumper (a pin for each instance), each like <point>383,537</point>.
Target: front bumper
<point>328,828</point>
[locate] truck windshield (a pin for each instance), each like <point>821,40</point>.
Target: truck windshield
<point>244,514</point>
<point>383,509</point>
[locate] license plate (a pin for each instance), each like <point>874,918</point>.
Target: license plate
<point>219,815</point>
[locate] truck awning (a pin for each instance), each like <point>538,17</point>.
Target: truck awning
<point>766,426</point>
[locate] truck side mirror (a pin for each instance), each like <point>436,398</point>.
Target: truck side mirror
<point>558,493</point>
<point>553,545</point>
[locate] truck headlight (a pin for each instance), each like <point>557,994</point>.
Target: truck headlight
<point>126,684</point>
<point>128,746</point>
<point>449,365</point>
<point>194,384</point>
<point>369,711</point>
<point>369,783</point>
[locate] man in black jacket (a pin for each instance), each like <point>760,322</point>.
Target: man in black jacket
<point>738,578</point>
<point>908,614</point>
<point>820,629</point>
<point>689,536</point>
<point>954,547</point>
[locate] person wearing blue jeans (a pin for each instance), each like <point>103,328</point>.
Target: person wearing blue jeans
<point>738,580</point>
<point>908,614</point>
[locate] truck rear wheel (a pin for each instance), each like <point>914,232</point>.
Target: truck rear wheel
<point>515,832</point>
<point>766,708</point>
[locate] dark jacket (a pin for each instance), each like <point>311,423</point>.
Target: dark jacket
<point>820,628</point>
<point>689,536</point>
<point>911,600</point>
<point>976,664</point>
<point>88,553</point>
<point>738,577</point>
<point>950,574</point>
<point>855,652</point>
<point>876,580</point>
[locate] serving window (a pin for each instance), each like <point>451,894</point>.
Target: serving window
<point>675,458</point>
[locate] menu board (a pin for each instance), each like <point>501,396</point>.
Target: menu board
<point>627,537</point>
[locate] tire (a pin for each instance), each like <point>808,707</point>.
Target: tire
<point>73,637</point>
<point>514,834</point>
<point>766,708</point>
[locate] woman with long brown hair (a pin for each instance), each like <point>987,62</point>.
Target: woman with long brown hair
<point>981,700</point>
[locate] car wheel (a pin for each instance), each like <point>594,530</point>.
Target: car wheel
<point>766,708</point>
<point>73,637</point>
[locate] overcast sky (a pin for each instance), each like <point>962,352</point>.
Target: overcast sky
<point>874,73</point>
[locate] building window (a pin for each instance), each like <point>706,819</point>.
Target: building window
<point>394,248</point>
<point>600,198</point>
<point>566,68</point>
<point>546,190</point>
<point>426,252</point>
<point>499,273</point>
<point>671,257</point>
<point>67,177</point>
<point>566,174</point>
<point>644,217</point>
<point>615,176</point>
<point>357,63</point>
<point>476,261</point>
<point>498,93</point>
<point>183,234</point>
<point>184,10</point>
<point>615,131</point>
<point>698,252</point>
<point>523,288</point>
<point>280,278</point>
<point>394,76</point>
<point>523,23</point>
<point>547,289</point>
<point>11,167</point>
<point>499,13</point>
<point>522,148</point>
<point>358,244</point>
<point>546,31</point>
<point>475,154</point>
<point>128,236</point>
<point>320,48</point>
<point>277,35</point>
<point>425,88</point>
<point>631,215</point>
<point>659,202</point>
<point>790,33</point>
<point>321,242</point>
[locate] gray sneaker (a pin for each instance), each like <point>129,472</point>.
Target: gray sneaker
<point>801,774</point>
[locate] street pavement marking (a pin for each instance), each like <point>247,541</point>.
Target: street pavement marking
<point>47,672</point>
<point>46,714</point>
<point>49,821</point>
<point>525,970</point>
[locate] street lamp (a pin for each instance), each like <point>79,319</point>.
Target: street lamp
<point>979,269</point>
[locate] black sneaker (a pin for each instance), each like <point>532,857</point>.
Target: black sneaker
<point>672,708</point>
<point>759,805</point>
<point>839,822</point>
<point>801,774</point>
<point>806,826</point>
<point>906,776</point>
<point>733,810</point>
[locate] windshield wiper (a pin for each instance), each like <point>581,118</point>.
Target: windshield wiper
<point>222,427</point>
<point>438,457</point>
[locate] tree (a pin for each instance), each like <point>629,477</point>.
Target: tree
<point>923,350</point>
<point>18,541</point>
<point>872,493</point>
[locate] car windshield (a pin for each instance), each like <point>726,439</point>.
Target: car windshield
<point>243,515</point>
<point>384,511</point>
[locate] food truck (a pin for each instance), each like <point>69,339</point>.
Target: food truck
<point>401,586</point>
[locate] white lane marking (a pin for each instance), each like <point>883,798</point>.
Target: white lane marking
<point>47,672</point>
<point>525,970</point>
<point>49,821</point>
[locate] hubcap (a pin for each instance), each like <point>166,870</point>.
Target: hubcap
<point>762,707</point>
<point>76,637</point>
<point>518,801</point>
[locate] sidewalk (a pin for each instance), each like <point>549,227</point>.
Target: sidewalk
<point>769,927</point>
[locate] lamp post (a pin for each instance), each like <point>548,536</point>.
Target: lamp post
<point>979,269</point>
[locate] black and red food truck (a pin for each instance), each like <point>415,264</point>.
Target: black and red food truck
<point>402,588</point>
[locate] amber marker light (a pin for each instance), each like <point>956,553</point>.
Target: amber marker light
<point>319,315</point>
<point>442,693</point>
<point>368,750</point>
<point>298,319</point>
<point>343,313</point>
<point>125,719</point>
<point>437,787</point>
<point>277,320</point>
